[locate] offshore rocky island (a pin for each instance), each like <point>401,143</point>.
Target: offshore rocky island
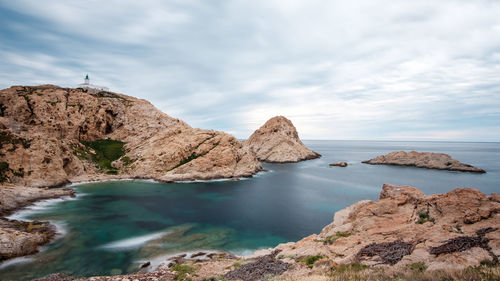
<point>52,136</point>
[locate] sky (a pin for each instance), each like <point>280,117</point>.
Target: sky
<point>339,70</point>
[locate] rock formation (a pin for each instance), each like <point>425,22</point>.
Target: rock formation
<point>18,238</point>
<point>277,141</point>
<point>406,227</point>
<point>429,160</point>
<point>338,164</point>
<point>50,136</point>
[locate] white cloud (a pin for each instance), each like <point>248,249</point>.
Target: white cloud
<point>361,69</point>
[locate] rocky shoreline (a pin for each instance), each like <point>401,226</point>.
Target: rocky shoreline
<point>21,238</point>
<point>403,230</point>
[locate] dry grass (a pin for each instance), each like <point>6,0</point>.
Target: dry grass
<point>348,273</point>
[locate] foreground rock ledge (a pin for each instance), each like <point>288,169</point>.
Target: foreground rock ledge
<point>429,160</point>
<point>277,141</point>
<point>402,230</point>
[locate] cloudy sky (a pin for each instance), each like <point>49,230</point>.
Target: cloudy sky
<point>377,70</point>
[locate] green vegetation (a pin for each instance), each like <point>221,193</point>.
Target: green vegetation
<point>332,238</point>
<point>127,161</point>
<point>83,90</point>
<point>105,94</point>
<point>182,270</point>
<point>8,138</point>
<point>487,263</point>
<point>101,152</point>
<point>186,160</point>
<point>310,260</point>
<point>4,169</point>
<point>360,272</point>
<point>2,109</point>
<point>424,217</point>
<point>417,266</point>
<point>353,267</point>
<point>215,278</point>
<point>106,151</point>
<point>19,173</point>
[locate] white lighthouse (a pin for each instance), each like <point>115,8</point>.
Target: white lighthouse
<point>86,85</point>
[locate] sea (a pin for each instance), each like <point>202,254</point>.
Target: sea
<point>113,227</point>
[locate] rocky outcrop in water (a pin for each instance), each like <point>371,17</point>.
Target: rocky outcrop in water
<point>50,136</point>
<point>429,160</point>
<point>338,164</point>
<point>277,141</point>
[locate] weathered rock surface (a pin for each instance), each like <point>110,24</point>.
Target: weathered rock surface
<point>277,141</point>
<point>338,164</point>
<point>429,160</point>
<point>42,129</point>
<point>18,238</point>
<point>15,197</point>
<point>404,226</point>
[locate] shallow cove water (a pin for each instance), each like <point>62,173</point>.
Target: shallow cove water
<point>112,227</point>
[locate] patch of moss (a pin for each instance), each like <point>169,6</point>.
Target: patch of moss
<point>105,152</point>
<point>310,260</point>
<point>417,266</point>
<point>353,267</point>
<point>105,94</point>
<point>4,169</point>
<point>215,278</point>
<point>8,138</point>
<point>424,217</point>
<point>181,271</point>
<point>332,238</point>
<point>19,173</point>
<point>127,161</point>
<point>2,109</point>
<point>487,263</point>
<point>186,160</point>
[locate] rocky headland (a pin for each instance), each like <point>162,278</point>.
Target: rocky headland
<point>429,160</point>
<point>50,136</point>
<point>404,232</point>
<point>277,141</point>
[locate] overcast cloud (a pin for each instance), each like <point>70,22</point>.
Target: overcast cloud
<point>402,70</point>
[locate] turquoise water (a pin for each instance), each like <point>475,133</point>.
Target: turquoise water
<point>111,228</point>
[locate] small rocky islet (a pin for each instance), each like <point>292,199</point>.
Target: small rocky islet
<point>428,160</point>
<point>51,136</point>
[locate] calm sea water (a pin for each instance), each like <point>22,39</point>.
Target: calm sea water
<point>111,228</point>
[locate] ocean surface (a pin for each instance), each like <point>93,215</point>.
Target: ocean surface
<point>113,227</point>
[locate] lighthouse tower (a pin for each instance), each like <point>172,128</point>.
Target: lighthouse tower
<point>86,85</point>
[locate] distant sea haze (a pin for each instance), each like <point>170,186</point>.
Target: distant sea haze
<point>113,227</point>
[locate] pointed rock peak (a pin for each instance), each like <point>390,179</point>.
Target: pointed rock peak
<point>277,141</point>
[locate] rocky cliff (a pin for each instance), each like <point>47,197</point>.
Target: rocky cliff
<point>277,141</point>
<point>429,160</point>
<point>50,136</point>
